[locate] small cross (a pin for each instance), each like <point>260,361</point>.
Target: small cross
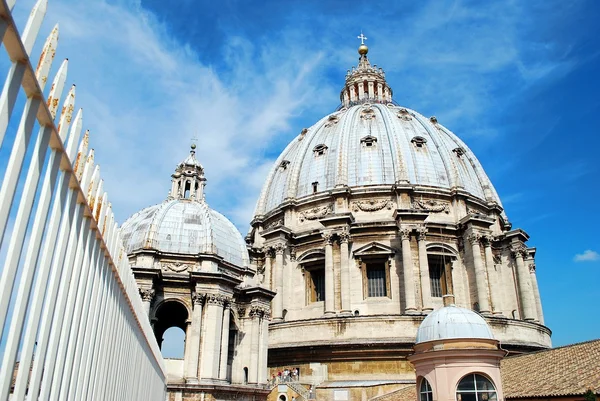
<point>362,38</point>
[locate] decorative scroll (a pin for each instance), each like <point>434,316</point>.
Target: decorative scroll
<point>315,213</point>
<point>372,205</point>
<point>332,120</point>
<point>367,113</point>
<point>431,205</point>
<point>177,267</point>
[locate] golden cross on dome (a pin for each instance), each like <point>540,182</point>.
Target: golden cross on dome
<point>362,38</point>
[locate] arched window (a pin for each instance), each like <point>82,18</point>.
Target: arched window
<point>169,328</point>
<point>425,392</point>
<point>476,387</point>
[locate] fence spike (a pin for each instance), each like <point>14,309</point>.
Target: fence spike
<point>96,200</point>
<point>74,135</point>
<point>47,57</point>
<point>66,114</point>
<point>90,189</point>
<point>57,87</point>
<point>34,24</point>
<point>81,152</point>
<point>88,168</point>
<point>10,4</point>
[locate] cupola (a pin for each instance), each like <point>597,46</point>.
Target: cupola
<point>188,181</point>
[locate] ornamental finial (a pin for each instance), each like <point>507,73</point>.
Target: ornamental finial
<point>363,49</point>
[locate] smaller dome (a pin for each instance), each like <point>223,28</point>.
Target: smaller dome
<point>451,322</point>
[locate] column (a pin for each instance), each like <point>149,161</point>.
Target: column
<point>408,272</point>
<point>424,269</point>
<point>524,282</point>
<point>255,313</point>
<point>278,281</point>
<point>147,296</point>
<point>482,293</point>
<point>345,271</point>
<point>371,89</point>
<point>352,94</point>
<point>263,348</point>
<point>361,90</point>
<point>329,285</point>
<point>225,341</point>
<point>489,262</point>
<point>268,268</point>
<point>192,340</point>
<point>379,91</point>
<point>212,337</point>
<point>536,293</point>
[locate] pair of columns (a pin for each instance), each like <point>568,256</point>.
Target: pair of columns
<point>527,284</point>
<point>259,332</point>
<point>215,345</point>
<point>344,238</point>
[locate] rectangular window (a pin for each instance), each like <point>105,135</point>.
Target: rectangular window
<point>437,275</point>
<point>376,279</point>
<point>316,284</point>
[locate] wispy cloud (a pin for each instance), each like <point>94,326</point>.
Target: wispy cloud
<point>587,256</point>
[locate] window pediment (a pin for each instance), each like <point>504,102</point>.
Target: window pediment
<point>312,255</point>
<point>374,249</point>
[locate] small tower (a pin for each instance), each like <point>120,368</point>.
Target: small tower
<point>457,357</point>
<point>188,181</point>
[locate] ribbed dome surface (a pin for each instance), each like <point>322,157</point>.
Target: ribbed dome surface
<point>373,144</point>
<point>184,226</point>
<point>453,322</point>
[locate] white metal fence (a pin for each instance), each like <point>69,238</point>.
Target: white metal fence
<point>72,323</point>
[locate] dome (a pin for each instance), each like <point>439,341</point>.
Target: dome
<point>184,223</point>
<point>370,141</point>
<point>184,227</point>
<point>452,322</point>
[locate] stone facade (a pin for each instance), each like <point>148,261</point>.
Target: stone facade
<point>206,288</point>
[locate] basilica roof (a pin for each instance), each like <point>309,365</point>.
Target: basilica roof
<point>372,141</point>
<point>184,223</point>
<point>452,322</point>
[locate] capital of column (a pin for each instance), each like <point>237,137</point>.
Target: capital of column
<point>279,248</point>
<point>327,238</point>
<point>474,238</point>
<point>198,299</point>
<point>269,252</point>
<point>344,235</point>
<point>405,232</point>
<point>519,251</point>
<point>147,294</point>
<point>293,253</point>
<point>216,299</point>
<point>259,312</point>
<point>421,233</point>
<point>532,268</point>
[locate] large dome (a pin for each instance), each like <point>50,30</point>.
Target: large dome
<point>374,144</point>
<point>184,223</point>
<point>452,322</point>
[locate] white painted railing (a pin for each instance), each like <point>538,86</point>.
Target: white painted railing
<point>71,319</point>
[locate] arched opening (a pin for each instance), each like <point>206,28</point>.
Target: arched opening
<point>282,397</point>
<point>169,328</point>
<point>232,348</point>
<point>425,391</point>
<point>173,344</point>
<point>245,375</point>
<point>186,193</point>
<point>476,387</point>
<point>440,259</point>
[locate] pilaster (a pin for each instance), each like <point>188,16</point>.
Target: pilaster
<point>424,270</point>
<point>408,272</point>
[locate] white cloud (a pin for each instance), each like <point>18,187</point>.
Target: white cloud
<point>587,256</point>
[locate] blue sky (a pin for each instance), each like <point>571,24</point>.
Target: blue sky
<point>517,80</point>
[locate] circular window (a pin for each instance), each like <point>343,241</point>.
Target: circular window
<point>475,387</point>
<point>425,392</point>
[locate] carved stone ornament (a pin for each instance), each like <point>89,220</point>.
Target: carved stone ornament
<point>293,253</point>
<point>147,294</point>
<point>215,299</point>
<point>279,248</point>
<point>315,213</point>
<point>519,251</point>
<point>405,232</point>
<point>371,205</point>
<point>367,113</point>
<point>328,238</point>
<point>474,238</point>
<point>259,312</point>
<point>421,233</point>
<point>198,299</point>
<point>497,259</point>
<point>532,268</point>
<point>177,267</point>
<point>344,235</point>
<point>431,205</point>
<point>274,224</point>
